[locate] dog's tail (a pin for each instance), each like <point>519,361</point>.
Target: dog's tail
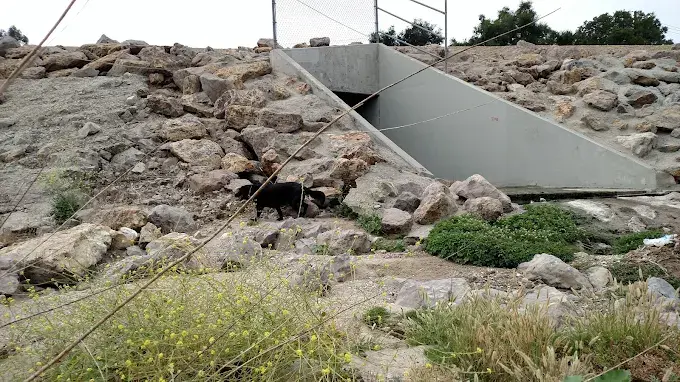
<point>318,195</point>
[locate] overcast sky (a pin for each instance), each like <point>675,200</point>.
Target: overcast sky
<point>233,23</point>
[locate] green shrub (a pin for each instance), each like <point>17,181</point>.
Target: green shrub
<point>627,272</point>
<point>344,211</point>
<point>508,242</point>
<point>630,242</point>
<point>64,205</point>
<point>395,245</point>
<point>371,223</point>
<point>376,316</point>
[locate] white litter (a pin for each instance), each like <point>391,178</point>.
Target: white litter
<point>660,242</point>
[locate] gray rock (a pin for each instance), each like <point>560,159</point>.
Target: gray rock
<point>211,181</point>
<point>172,219</point>
<point>128,158</point>
<point>643,77</point>
<point>185,127</point>
<point>437,203</point>
<point>640,144</point>
<point>599,277</point>
<point>554,272</point>
<point>601,100</point>
<point>418,294</point>
<point>124,238</point>
<point>214,86</point>
<point>203,152</point>
<point>476,187</point>
<point>236,250</point>
<point>390,364</point>
<point>559,304</point>
<point>487,208</point>
<point>149,233</point>
<point>9,282</point>
<point>124,216</point>
<point>660,287</point>
<point>319,41</point>
<point>353,241</point>
<point>259,138</point>
<point>61,61</point>
<point>238,164</point>
<point>406,201</point>
<point>191,84</point>
<point>266,42</point>
<point>34,73</point>
<point>239,117</point>
<point>90,128</point>
<point>104,39</point>
<point>279,121</point>
<point>640,97</point>
<point>667,119</point>
<point>395,222</point>
<point>167,106</point>
<point>596,122</point>
<point>65,256</point>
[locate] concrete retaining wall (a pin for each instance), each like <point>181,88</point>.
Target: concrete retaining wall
<point>507,144</point>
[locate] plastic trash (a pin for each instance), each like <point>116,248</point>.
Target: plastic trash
<point>659,242</point>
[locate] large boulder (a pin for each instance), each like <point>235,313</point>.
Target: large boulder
<point>210,181</point>
<point>337,243</point>
<point>259,138</point>
<point>65,257</point>
<point>319,41</point>
<point>476,187</point>
<point>487,208</point>
<point>427,294</point>
<point>601,100</point>
<point>396,222</point>
<point>640,144</point>
<point>60,61</point>
<point>437,203</point>
<point>168,106</point>
<point>203,152</point>
<point>554,272</point>
<point>185,127</point>
<point>172,219</point>
<point>280,121</point>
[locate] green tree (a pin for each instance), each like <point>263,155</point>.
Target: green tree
<point>561,38</point>
<point>388,37</point>
<point>623,28</point>
<point>15,33</point>
<point>418,37</point>
<point>507,20</point>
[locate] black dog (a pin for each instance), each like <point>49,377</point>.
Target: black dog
<point>276,195</point>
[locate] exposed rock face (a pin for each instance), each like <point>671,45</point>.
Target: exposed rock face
<point>477,187</point>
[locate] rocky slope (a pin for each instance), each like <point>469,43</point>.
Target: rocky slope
<point>167,137</point>
<point>626,97</point>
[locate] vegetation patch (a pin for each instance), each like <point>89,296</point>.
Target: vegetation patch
<point>543,228</point>
<point>188,328</point>
<point>630,242</point>
<point>68,192</point>
<point>376,316</point>
<point>370,223</point>
<point>389,245</point>
<point>628,272</point>
<point>494,341</point>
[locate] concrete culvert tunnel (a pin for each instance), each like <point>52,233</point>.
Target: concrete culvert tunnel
<point>452,129</point>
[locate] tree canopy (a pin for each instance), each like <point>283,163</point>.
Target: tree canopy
<point>412,35</point>
<point>619,28</point>
<point>622,28</point>
<point>15,33</point>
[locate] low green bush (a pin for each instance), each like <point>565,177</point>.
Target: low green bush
<point>627,272</point>
<point>508,242</point>
<point>382,244</point>
<point>371,223</point>
<point>630,242</point>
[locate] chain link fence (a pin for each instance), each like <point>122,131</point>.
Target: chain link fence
<point>343,21</point>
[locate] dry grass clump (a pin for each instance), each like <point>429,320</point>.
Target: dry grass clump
<point>489,340</point>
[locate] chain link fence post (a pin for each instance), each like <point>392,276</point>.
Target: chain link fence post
<point>276,40</point>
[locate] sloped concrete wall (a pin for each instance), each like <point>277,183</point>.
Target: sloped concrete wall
<point>509,145</point>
